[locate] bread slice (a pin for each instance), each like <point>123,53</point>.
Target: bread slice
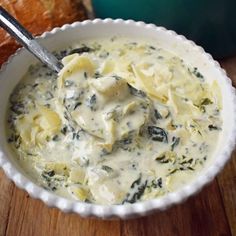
<point>38,16</point>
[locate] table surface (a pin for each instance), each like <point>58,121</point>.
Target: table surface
<point>210,212</point>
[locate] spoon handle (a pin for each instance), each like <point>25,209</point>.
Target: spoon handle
<point>16,30</point>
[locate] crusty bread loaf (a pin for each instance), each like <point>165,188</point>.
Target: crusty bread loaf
<point>38,16</point>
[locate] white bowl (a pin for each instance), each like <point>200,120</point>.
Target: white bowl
<point>60,38</point>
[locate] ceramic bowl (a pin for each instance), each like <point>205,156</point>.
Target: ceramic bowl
<point>60,38</point>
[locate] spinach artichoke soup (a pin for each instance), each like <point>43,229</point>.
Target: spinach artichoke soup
<point>124,121</point>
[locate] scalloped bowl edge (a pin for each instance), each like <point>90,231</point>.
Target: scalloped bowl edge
<point>140,208</point>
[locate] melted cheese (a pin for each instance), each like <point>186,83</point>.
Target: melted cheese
<point>125,121</point>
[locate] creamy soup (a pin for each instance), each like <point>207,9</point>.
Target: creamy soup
<point>123,121</point>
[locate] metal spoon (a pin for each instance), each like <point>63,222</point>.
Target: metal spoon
<point>16,30</point>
